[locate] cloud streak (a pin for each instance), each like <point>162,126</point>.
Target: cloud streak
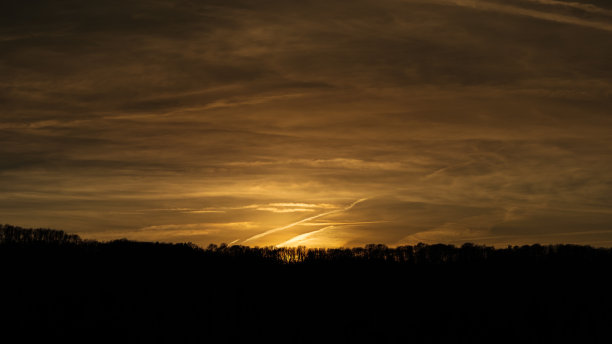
<point>577,5</point>
<point>515,10</point>
<point>297,240</point>
<point>461,120</point>
<point>268,232</point>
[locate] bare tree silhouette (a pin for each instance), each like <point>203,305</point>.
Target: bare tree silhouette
<point>57,286</point>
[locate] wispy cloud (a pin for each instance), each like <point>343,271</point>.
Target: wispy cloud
<point>577,5</point>
<point>299,239</point>
<point>344,223</point>
<point>200,226</point>
<point>305,205</point>
<point>190,114</point>
<point>337,163</point>
<point>255,237</point>
<point>286,210</point>
<point>550,16</point>
<point>271,207</point>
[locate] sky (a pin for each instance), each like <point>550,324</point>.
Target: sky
<point>322,123</point>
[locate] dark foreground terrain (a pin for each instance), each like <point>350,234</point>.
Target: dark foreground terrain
<point>57,286</point>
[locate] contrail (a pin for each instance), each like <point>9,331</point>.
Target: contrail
<point>303,236</point>
<point>304,220</point>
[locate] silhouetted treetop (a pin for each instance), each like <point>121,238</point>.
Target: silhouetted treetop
<point>57,286</point>
<point>12,234</point>
<point>438,254</point>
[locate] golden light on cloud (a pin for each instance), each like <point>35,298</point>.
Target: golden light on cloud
<point>285,210</point>
<point>306,220</point>
<point>310,239</point>
<point>480,120</point>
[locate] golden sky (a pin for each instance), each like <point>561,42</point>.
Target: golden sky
<point>319,123</point>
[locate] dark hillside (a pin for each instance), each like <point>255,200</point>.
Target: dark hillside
<point>57,286</point>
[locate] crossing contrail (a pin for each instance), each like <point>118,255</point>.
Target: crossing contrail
<point>302,237</point>
<point>304,220</point>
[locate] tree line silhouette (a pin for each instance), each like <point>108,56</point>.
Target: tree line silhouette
<point>17,235</point>
<point>57,286</point>
<point>467,253</point>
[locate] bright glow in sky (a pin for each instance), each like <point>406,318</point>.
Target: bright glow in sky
<point>262,123</point>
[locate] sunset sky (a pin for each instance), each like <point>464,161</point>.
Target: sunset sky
<point>322,123</point>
